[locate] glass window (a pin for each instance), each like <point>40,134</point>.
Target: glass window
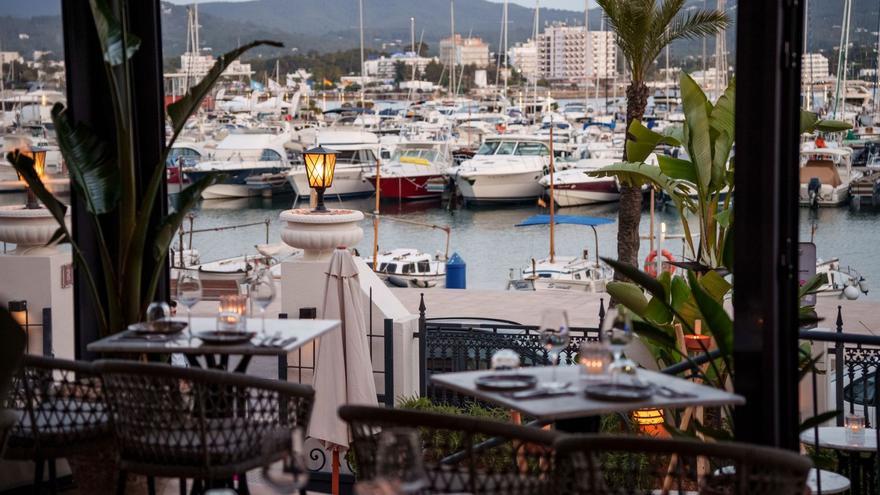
<point>269,156</point>
<point>506,148</point>
<point>488,148</point>
<point>424,266</point>
<point>383,267</point>
<point>532,149</point>
<point>392,268</point>
<point>408,268</point>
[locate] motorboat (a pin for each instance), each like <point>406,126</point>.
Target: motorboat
<point>563,273</point>
<point>842,282</point>
<point>416,170</point>
<point>234,269</point>
<point>575,187</point>
<point>825,175</point>
<point>410,268</point>
<point>357,152</point>
<point>248,161</point>
<point>505,168</point>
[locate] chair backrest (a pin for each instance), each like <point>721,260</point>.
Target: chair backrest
<point>606,464</point>
<point>201,419</point>
<point>60,405</point>
<point>461,453</point>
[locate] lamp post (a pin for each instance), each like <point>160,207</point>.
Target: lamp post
<point>320,165</point>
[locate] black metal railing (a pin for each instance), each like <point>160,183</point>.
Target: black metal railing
<point>463,344</point>
<point>856,391</point>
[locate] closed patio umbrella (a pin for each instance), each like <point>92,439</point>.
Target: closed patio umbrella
<point>343,370</point>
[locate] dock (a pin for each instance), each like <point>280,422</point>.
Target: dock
<point>865,191</point>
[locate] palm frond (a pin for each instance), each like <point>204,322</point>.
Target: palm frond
<point>699,24</point>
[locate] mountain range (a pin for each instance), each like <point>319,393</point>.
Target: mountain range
<point>330,25</point>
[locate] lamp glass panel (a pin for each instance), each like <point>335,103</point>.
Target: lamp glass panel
<point>320,168</point>
<point>39,158</point>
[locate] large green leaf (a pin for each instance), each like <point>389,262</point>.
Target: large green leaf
<point>727,250</point>
<point>677,169</point>
<point>183,108</point>
<point>715,285</point>
<point>716,317</point>
<point>93,169</point>
<point>647,282</point>
<point>186,201</point>
<point>722,116</point>
<point>810,123</point>
<point>817,420</point>
<point>639,174</point>
<point>699,144</point>
<point>812,285</point>
<point>642,141</point>
<point>652,333</point>
<point>111,35</point>
<point>630,295</point>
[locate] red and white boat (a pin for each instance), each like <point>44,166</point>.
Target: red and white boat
<point>573,187</point>
<point>416,170</point>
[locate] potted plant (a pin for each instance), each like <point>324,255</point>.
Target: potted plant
<point>103,174</point>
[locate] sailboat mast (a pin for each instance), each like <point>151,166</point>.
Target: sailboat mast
<point>376,216</point>
<point>537,29</point>
<point>877,67</point>
<point>842,57</point>
<point>363,72</point>
<point>552,198</point>
<point>454,48</point>
<point>587,58</point>
<point>808,97</point>
<point>506,64</point>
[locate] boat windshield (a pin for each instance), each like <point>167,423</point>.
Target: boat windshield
<point>532,149</point>
<point>415,156</point>
<point>506,148</point>
<point>488,148</point>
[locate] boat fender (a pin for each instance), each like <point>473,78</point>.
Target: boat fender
<point>651,265</point>
<point>397,281</point>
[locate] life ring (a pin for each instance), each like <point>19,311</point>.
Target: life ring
<point>651,265</point>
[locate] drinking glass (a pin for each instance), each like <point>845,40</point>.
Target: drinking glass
<point>617,333</point>
<point>262,291</point>
<point>293,473</point>
<point>555,336</point>
<point>189,293</point>
<point>158,311</point>
<point>399,460</point>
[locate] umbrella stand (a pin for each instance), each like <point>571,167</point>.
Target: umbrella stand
<point>334,480</point>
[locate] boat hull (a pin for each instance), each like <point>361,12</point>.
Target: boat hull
<point>226,191</point>
<point>500,188</point>
<point>408,187</point>
<point>347,183</point>
<point>586,193</point>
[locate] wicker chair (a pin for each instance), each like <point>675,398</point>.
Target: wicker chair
<point>461,454</point>
<point>60,410</point>
<point>623,465</point>
<point>205,425</point>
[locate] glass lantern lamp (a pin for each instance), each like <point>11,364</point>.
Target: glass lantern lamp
<point>320,165</point>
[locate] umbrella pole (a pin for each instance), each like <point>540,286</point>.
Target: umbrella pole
<point>334,481</point>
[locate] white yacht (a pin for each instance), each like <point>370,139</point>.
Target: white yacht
<point>575,187</point>
<point>506,168</point>
<point>410,268</point>
<point>357,157</point>
<point>825,175</point>
<point>252,163</point>
<point>415,171</point>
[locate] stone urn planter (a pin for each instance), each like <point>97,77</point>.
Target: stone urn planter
<point>318,234</point>
<point>29,229</point>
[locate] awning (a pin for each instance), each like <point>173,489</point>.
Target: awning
<point>565,220</point>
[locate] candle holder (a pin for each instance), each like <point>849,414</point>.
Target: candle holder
<point>594,359</point>
<point>229,321</point>
<point>505,359</point>
<point>855,429</point>
<point>697,343</point>
<point>235,303</point>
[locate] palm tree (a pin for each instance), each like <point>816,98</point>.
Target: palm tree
<point>643,29</point>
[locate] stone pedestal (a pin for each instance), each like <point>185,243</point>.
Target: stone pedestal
<point>29,230</point>
<point>318,234</point>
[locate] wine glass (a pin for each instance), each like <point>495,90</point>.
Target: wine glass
<point>555,336</point>
<point>189,293</point>
<point>158,311</point>
<point>399,460</point>
<point>294,473</point>
<point>617,333</point>
<point>262,291</point>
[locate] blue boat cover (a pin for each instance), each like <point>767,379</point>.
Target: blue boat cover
<point>565,219</point>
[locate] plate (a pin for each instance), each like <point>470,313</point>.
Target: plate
<point>165,327</point>
<point>225,337</point>
<point>619,392</point>
<point>506,383</point>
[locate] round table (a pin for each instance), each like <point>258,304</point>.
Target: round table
<point>831,482</point>
<point>834,437</point>
<point>856,460</point>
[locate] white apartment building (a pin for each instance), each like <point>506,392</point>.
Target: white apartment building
<point>9,57</point>
<point>815,68</point>
<point>198,65</point>
<point>384,67</point>
<point>566,54</point>
<point>524,58</point>
<point>468,51</point>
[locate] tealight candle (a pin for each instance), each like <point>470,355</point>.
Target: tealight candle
<point>234,303</point>
<point>228,321</point>
<point>594,360</point>
<point>855,429</point>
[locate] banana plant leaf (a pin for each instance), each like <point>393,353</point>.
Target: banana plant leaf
<point>186,201</point>
<point>91,163</point>
<point>630,295</point>
<point>110,33</point>
<point>810,123</point>
<point>677,169</point>
<point>696,110</point>
<point>642,141</point>
<point>716,317</point>
<point>24,165</point>
<point>639,174</point>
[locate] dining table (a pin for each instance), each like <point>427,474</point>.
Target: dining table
<point>670,392</point>
<point>277,338</point>
<point>856,457</point>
